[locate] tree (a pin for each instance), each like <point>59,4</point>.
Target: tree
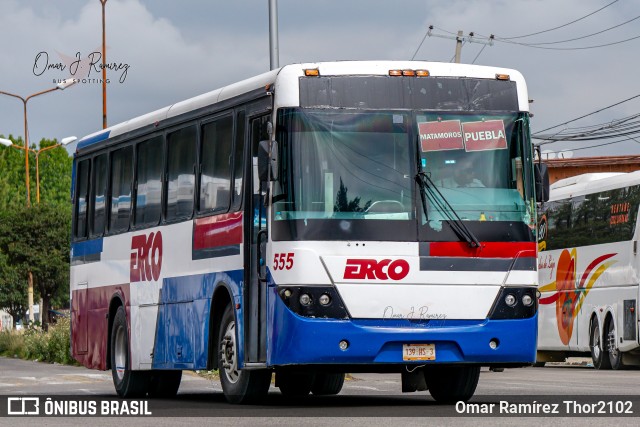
<point>13,290</point>
<point>36,240</point>
<point>343,204</point>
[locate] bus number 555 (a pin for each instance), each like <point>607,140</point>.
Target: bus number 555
<point>283,261</point>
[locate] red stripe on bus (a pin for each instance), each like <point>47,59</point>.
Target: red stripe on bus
<point>217,230</point>
<point>486,249</point>
<point>90,324</point>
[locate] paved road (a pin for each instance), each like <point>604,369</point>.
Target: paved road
<point>368,399</point>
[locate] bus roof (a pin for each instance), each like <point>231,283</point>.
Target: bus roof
<point>592,183</point>
<point>292,72</point>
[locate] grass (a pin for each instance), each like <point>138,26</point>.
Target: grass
<point>33,343</point>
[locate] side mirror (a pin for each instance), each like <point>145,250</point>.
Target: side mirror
<point>268,161</point>
<point>541,173</point>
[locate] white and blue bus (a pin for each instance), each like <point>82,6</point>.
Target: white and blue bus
<point>314,220</point>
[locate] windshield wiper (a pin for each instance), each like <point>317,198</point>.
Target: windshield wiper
<point>455,222</point>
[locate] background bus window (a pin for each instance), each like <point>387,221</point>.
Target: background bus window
<point>149,188</point>
<point>215,181</point>
<point>181,158</point>
<point>81,198</point>
<point>121,178</point>
<point>98,195</point>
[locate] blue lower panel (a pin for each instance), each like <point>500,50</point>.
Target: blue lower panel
<point>299,340</point>
<point>182,329</point>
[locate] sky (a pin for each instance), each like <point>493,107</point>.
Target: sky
<point>167,51</point>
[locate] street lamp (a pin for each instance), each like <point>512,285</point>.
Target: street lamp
<point>60,86</point>
<point>63,142</point>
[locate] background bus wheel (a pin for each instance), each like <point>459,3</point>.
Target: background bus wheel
<point>615,356</point>
<point>238,386</point>
<point>294,384</point>
<point>164,383</point>
<point>128,383</point>
<point>452,383</point>
<point>327,384</point>
<point>599,356</point>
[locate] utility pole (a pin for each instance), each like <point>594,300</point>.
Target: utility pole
<point>274,60</point>
<point>460,38</point>
<point>459,46</point>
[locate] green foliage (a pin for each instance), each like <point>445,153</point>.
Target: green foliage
<point>52,346</point>
<point>13,289</point>
<point>12,344</point>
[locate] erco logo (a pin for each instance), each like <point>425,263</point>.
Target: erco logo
<point>373,269</point>
<point>146,257</point>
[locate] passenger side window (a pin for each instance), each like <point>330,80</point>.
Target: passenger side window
<point>215,179</point>
<point>98,195</point>
<point>82,196</point>
<point>181,159</point>
<point>121,180</point>
<point>149,182</point>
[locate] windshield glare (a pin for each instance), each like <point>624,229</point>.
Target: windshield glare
<point>476,163</point>
<point>346,165</point>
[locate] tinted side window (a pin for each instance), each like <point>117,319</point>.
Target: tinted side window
<point>121,179</point>
<point>98,195</point>
<point>215,180</point>
<point>181,158</point>
<point>82,196</point>
<point>238,163</point>
<point>149,182</point>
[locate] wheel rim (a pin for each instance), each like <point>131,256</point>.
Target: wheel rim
<point>611,341</point>
<point>120,353</point>
<point>596,342</point>
<point>228,353</point>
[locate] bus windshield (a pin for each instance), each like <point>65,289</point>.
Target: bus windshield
<point>476,163</point>
<point>346,165</point>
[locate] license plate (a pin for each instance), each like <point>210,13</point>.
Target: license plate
<point>418,352</point>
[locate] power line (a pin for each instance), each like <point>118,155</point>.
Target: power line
<point>561,26</point>
<point>535,46</point>
<point>590,114</point>
<point>474,59</point>
<point>578,38</point>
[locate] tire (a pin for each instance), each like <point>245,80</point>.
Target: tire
<point>615,356</point>
<point>452,383</point>
<point>238,386</point>
<point>295,384</point>
<point>327,384</point>
<point>128,383</point>
<point>539,364</point>
<point>599,355</point>
<point>164,384</point>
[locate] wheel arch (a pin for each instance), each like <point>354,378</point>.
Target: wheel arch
<point>219,301</point>
<point>116,301</point>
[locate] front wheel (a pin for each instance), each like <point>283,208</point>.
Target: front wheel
<point>128,383</point>
<point>327,384</point>
<point>238,386</point>
<point>450,384</point>
<point>599,356</point>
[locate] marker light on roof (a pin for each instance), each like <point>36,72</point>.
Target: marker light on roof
<point>408,73</point>
<point>395,72</point>
<point>422,73</point>
<point>503,77</point>
<point>311,72</point>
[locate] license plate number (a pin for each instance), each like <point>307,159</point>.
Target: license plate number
<point>418,352</point>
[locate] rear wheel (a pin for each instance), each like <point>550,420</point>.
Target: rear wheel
<point>327,384</point>
<point>599,356</point>
<point>615,356</point>
<point>128,383</point>
<point>239,386</point>
<point>295,384</point>
<point>452,383</point>
<point>164,383</point>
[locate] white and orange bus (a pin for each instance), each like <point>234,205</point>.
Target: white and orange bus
<point>317,219</point>
<point>588,267</point>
